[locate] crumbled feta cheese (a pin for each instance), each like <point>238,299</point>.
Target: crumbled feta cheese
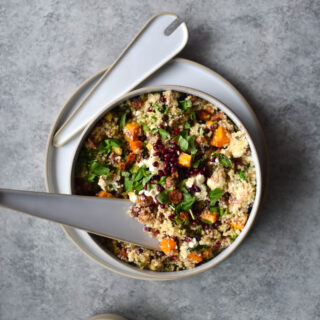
<point>153,192</point>
<point>192,243</point>
<point>238,144</point>
<point>132,196</point>
<point>217,180</point>
<point>111,181</point>
<point>199,182</point>
<point>149,163</point>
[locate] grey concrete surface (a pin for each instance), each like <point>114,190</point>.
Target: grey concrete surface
<point>270,51</point>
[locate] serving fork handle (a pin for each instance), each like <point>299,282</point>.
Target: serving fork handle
<point>161,39</point>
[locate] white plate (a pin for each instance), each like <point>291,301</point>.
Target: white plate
<point>178,72</point>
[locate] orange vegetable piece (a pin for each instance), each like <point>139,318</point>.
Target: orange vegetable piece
<point>184,216</point>
<point>220,138</point>
<point>210,123</point>
<point>104,194</point>
<point>206,254</point>
<point>168,246</point>
<point>239,224</point>
<point>203,115</point>
<point>132,130</point>
<point>209,216</point>
<point>135,146</point>
<point>185,160</point>
<point>130,159</point>
<point>195,257</point>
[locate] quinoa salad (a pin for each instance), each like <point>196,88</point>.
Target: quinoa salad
<point>186,167</point>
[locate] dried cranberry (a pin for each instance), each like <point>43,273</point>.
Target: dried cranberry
<point>150,109</point>
<point>176,131</point>
<point>140,251</point>
<point>163,99</point>
<point>160,173</point>
<point>155,164</point>
<point>187,239</point>
<point>165,118</point>
<point>196,189</point>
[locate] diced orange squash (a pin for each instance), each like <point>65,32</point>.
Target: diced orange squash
<point>185,160</point>
<point>132,130</point>
<point>184,216</point>
<point>104,194</point>
<point>209,124</point>
<point>168,246</point>
<point>239,224</point>
<point>220,138</point>
<point>130,159</point>
<point>206,254</point>
<point>209,217</point>
<point>135,146</point>
<point>195,257</point>
<point>203,115</point>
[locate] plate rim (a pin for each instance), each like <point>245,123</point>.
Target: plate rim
<point>49,144</point>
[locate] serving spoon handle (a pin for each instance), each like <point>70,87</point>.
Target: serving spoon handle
<point>161,39</point>
<point>106,217</point>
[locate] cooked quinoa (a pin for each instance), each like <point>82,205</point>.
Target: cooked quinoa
<point>186,167</point>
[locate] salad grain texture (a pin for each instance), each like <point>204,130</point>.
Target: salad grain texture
<point>186,167</point>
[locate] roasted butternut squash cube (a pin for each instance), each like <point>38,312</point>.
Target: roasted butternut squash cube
<point>185,160</point>
<point>135,146</point>
<point>220,138</point>
<point>131,131</point>
<point>210,217</point>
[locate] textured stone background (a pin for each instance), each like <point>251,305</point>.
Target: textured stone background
<point>270,51</point>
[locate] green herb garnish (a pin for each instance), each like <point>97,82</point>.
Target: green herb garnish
<point>242,175</point>
<point>198,248</point>
<point>214,196</point>
<point>223,160</point>
<point>185,105</point>
<point>163,133</point>
<point>196,163</point>
<point>223,212</point>
<point>163,197</point>
<point>162,108</point>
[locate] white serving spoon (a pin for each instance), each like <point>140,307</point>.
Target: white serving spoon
<point>161,39</point>
<point>106,217</point>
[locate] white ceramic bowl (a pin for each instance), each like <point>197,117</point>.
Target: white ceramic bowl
<point>160,276</point>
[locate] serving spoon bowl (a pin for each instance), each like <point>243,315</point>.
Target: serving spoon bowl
<point>105,217</point>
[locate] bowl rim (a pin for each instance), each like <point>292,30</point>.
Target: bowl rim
<point>226,252</point>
